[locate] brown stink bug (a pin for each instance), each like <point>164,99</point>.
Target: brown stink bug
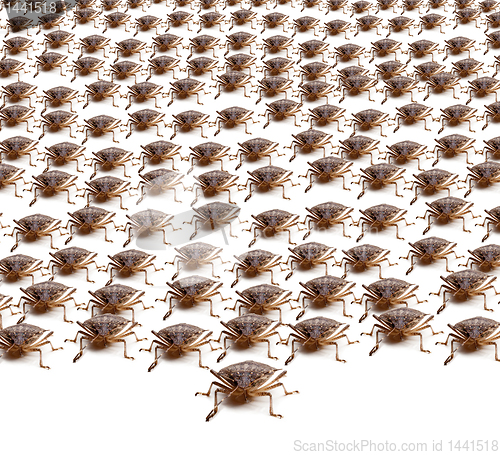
<point>105,188</point>
<point>430,249</point>
<point>116,297</point>
<point>364,256</point>
<point>447,209</point>
<point>327,215</point>
<point>325,290</point>
<point>164,43</point>
<point>412,113</point>
<point>125,69</point>
<point>467,67</point>
<point>379,175</point>
<point>215,214</point>
<point>144,119</point>
<point>493,218</point>
<point>18,91</point>
<point>325,114</point>
<point>474,332</point>
<point>492,113</point>
<point>100,125</point>
<point>195,255</point>
<point>68,260</point>
<point>381,216</point>
<point>129,262</point>
<point>232,80</point>
<point>115,19</point>
<point>104,329</point>
<point>92,43</point>
<point>9,175</point>
<point>161,65</point>
<point>276,66</point>
<point>109,158</point>
<point>483,174</point>
<point>319,331</point>
<point>309,255</point>
<point>247,379</point>
<point>89,219</point>
<point>387,292</point>
<point>158,181</point>
<point>255,262</point>
<point>434,180</point>
<point>15,115</point>
<point>492,146</point>
<point>211,19</point>
<point>144,91</point>
<point>23,338</point>
<point>188,120</point>
<point>281,109</point>
<point>184,88</point>
<point>255,149</point>
<point>201,65</point>
<point>20,265</point>
<point>277,43</point>
<point>213,182</point>
<point>18,44</point>
<point>483,86</point>
<point>398,86</point>
<point>465,284</point>
<point>391,69</point>
<point>59,95</point>
<point>267,178</point>
<point>401,322</point>
<point>87,65</point>
<point>248,329</point>
<point>348,52</point>
<point>10,66</point>
<point>100,90</point>
<point>57,120</point>
<point>52,182</point>
<point>485,257</point>
<point>458,113</point>
<point>336,27</point>
<point>48,61</point>
<point>17,146</point>
<point>309,140</point>
<point>404,151</point>
<point>400,23</point>
<point>146,223</point>
<point>354,85</point>
<point>261,298</point>
<point>159,151</point>
<point>272,222</point>
<point>272,86</point>
<point>35,226</point>
<point>46,295</point>
<point>180,339</point>
<point>192,290</point>
<point>207,153</point>
<point>233,116</point>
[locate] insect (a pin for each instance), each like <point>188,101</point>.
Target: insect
<point>315,90</point>
<point>465,284</point>
<point>314,70</point>
<point>441,82</point>
<point>87,65</point>
<point>162,64</point>
<point>384,47</point>
<point>272,86</point>
<point>242,17</point>
<point>188,120</point>
<point>277,43</point>
<point>192,290</point>
<point>325,114</point>
<point>492,113</point>
<point>272,222</point>
<point>212,19</point>
<point>16,114</point>
<point>51,182</point>
<point>196,255</point>
<point>143,91</point>
<point>147,222</point>
<point>335,5</point>
<point>64,152</point>
<point>124,69</point>
<point>34,226</point>
<point>458,45</point>
<point>381,216</point>
<point>364,256</point>
<point>145,23</point>
<point>233,116</point>
<point>84,16</point>
<point>180,338</point>
<point>46,295</point>
<point>59,95</point>
<point>273,20</point>
<point>179,18</point>
<point>18,91</point>
<point>430,249</point>
<point>493,218</point>
<point>305,23</point>
<point>483,86</point>
<point>447,209</point>
<point>387,292</point>
<point>57,120</point>
<point>366,23</point>
<point>360,7</point>
<point>255,262</point>
<point>164,43</point>
<point>483,174</point>
<point>23,338</point>
<point>348,52</point>
<point>266,178</point>
<point>104,188</point>
<point>9,175</point>
<point>488,5</point>
<point>336,27</point>
<point>232,80</point>
<point>213,182</point>
<point>93,43</point>
<point>404,151</point>
<point>311,48</point>
<point>412,113</point>
<point>241,62</point>
<point>354,85</point>
<point>203,43</point>
<point>109,158</point>
<point>310,140</point>
<point>17,24</point>
<point>474,332</point>
<point>207,153</point>
<point>492,41</point>
<point>401,322</point>
<point>247,329</point>
<point>216,214</point>
<point>400,23</point>
<point>100,125</point>
<point>129,262</point>
<point>105,329</point>
<point>492,20</point>
<point>325,290</point>
<point>89,219</point>
<point>368,119</point>
<point>10,66</point>
<point>456,114</point>
<point>430,21</point>
<point>239,40</point>
<point>144,119</point>
<point>319,331</point>
<point>114,20</point>
<point>452,145</point>
<point>158,181</point>
<point>262,298</point>
<point>17,45</point>
<point>492,146</point>
<point>201,65</point>
<point>72,259</point>
<point>278,65</point>
<point>246,379</point>
<point>421,48</point>
<point>466,15</point>
<point>359,145</point>
<point>282,109</point>
<point>20,265</point>
<point>391,69</point>
<point>485,257</point>
<point>184,88</point>
<point>17,146</point>
<point>116,297</point>
<point>399,85</point>
<point>379,175</point>
<point>326,169</point>
<point>428,69</point>
<point>255,149</point>
<point>309,255</point>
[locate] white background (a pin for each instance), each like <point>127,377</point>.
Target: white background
<point>104,402</point>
